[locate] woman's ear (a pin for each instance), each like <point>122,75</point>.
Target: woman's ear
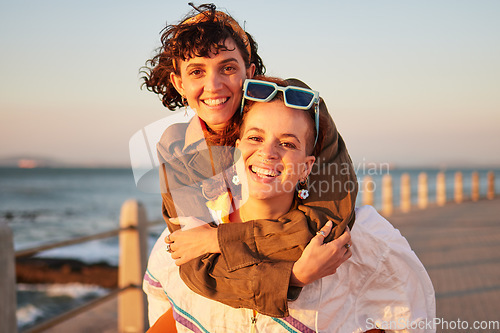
<point>309,162</point>
<point>177,83</point>
<point>237,143</point>
<point>251,71</point>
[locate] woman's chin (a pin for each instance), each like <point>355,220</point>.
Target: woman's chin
<point>260,195</point>
<point>268,193</point>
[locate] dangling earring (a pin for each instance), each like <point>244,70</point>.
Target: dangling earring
<point>303,193</point>
<point>232,171</point>
<point>185,103</point>
<point>236,180</point>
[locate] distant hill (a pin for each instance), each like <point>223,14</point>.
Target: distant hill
<point>29,162</point>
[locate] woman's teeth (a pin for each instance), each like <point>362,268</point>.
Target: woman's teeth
<point>215,102</point>
<point>264,172</point>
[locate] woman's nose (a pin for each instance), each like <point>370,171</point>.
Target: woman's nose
<point>268,151</point>
<point>214,82</point>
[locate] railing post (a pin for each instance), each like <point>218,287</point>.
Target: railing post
<point>475,186</point>
<point>368,190</point>
<point>405,204</point>
<point>459,187</point>
<point>132,314</point>
<point>423,191</point>
<point>491,185</point>
<point>8,321</point>
<point>441,189</point>
<point>387,195</point>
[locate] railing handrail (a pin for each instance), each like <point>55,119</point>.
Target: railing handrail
<point>406,203</point>
<point>77,240</point>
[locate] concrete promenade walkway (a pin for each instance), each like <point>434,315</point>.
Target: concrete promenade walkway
<point>459,244</point>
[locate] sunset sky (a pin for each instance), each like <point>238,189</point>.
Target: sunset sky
<point>411,83</point>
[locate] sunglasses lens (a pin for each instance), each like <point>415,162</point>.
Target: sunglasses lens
<point>298,97</point>
<point>259,90</point>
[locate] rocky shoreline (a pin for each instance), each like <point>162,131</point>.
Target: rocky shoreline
<point>54,270</point>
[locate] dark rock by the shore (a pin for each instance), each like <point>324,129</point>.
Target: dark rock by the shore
<point>54,270</point>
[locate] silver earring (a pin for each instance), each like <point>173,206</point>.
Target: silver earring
<point>185,103</point>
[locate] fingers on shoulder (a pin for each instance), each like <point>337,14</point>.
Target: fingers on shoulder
<point>323,232</point>
<point>345,237</point>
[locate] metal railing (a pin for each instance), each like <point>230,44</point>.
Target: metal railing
<point>422,194</point>
<point>132,313</point>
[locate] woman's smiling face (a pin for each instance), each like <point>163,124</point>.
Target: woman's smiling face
<point>213,85</point>
<point>273,149</point>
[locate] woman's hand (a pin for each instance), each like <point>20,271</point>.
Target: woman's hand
<point>197,238</point>
<point>319,259</point>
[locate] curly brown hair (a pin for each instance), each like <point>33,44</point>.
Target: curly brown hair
<point>199,39</point>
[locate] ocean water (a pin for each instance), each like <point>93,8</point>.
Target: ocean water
<point>37,302</point>
<point>45,205</point>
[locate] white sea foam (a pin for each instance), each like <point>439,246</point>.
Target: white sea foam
<point>28,314</point>
<point>73,290</point>
<point>95,251</point>
<point>89,252</point>
<point>47,300</point>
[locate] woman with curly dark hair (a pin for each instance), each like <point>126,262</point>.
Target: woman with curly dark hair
<point>203,63</point>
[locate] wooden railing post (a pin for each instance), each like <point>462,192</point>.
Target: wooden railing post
<point>132,314</point>
<point>475,186</point>
<point>459,187</point>
<point>405,204</point>
<point>8,321</point>
<point>491,185</point>
<point>387,195</point>
<point>441,189</point>
<point>368,190</point>
<point>423,191</point>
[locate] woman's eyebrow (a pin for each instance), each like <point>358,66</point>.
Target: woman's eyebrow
<point>256,129</point>
<point>195,64</point>
<point>200,64</point>
<point>290,135</point>
<point>225,61</point>
<point>282,135</point>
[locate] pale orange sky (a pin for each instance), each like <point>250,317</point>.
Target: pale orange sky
<point>410,83</point>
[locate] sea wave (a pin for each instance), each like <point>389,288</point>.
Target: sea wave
<point>37,302</point>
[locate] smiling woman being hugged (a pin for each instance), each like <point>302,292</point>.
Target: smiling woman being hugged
<point>382,282</point>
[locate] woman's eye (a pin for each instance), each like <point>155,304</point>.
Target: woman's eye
<point>288,145</point>
<point>195,72</point>
<point>254,138</point>
<point>228,69</point>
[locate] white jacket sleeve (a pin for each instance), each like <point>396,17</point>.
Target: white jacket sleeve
<point>398,296</point>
